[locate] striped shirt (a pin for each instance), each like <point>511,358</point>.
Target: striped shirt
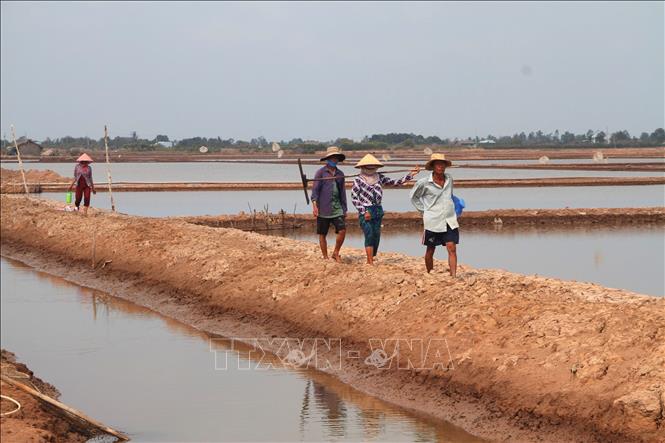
<point>364,194</point>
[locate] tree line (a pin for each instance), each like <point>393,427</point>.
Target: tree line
<point>537,139</point>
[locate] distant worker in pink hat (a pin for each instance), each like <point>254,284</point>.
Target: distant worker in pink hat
<point>83,182</point>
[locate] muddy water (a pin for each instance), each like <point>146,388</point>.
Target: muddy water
<point>626,258</point>
<point>258,172</point>
<point>161,204</point>
<point>155,378</point>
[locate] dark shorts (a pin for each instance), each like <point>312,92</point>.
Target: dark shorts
<point>323,224</point>
<point>441,238</point>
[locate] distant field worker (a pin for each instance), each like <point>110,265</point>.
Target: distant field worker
<point>366,196</point>
<point>329,201</point>
<point>83,182</point>
<point>432,196</point>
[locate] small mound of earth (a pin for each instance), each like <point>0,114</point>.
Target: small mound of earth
<point>32,175</point>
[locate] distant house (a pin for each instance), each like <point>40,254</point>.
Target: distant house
<point>27,147</point>
<point>486,142</point>
<point>468,143</point>
<point>164,144</point>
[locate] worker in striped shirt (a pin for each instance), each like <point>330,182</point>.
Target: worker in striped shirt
<point>366,196</point>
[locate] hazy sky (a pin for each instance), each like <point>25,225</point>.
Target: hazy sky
<point>328,70</point>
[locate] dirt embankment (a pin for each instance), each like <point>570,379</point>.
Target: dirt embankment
<point>12,183</point>
<point>526,358</point>
<point>454,153</point>
<point>492,219</point>
<point>642,166</point>
<point>34,422</point>
<point>17,187</point>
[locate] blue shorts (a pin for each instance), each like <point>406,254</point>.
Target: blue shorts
<point>441,238</point>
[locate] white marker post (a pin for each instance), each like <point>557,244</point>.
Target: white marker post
<point>20,162</point>
<point>108,166</point>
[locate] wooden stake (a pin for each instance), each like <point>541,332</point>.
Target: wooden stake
<point>94,246</point>
<point>68,410</point>
<point>108,166</point>
<point>20,162</point>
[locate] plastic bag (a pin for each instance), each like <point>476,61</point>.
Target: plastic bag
<point>460,204</point>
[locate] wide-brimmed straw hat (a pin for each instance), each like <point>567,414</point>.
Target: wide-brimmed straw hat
<point>437,158</point>
<point>331,151</point>
<point>84,158</point>
<point>369,160</point>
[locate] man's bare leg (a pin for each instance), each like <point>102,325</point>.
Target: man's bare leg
<point>429,258</point>
<point>324,245</point>
<point>452,258</point>
<point>339,241</point>
<point>369,250</point>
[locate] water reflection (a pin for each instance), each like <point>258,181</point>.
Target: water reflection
<point>598,258</point>
<point>101,351</point>
<point>330,405</point>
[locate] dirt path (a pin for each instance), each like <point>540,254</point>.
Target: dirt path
<point>16,187</point>
<point>510,357</point>
<point>481,220</point>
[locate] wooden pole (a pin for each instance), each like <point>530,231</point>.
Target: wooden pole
<point>20,162</point>
<point>108,166</point>
<point>69,410</point>
<point>94,247</point>
<point>303,178</point>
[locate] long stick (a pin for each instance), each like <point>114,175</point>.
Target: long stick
<point>20,162</point>
<point>108,166</point>
<point>65,408</point>
<point>394,171</point>
<point>303,177</point>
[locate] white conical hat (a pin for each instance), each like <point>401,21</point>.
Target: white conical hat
<point>369,160</point>
<point>84,158</point>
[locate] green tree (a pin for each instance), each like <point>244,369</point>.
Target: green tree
<point>567,137</point>
<point>620,136</point>
<point>658,136</point>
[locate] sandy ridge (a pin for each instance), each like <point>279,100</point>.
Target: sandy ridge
<point>535,353</point>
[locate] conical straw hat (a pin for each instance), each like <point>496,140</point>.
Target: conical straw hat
<point>84,158</point>
<point>369,160</point>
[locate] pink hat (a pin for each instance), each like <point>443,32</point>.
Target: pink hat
<point>84,158</point>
